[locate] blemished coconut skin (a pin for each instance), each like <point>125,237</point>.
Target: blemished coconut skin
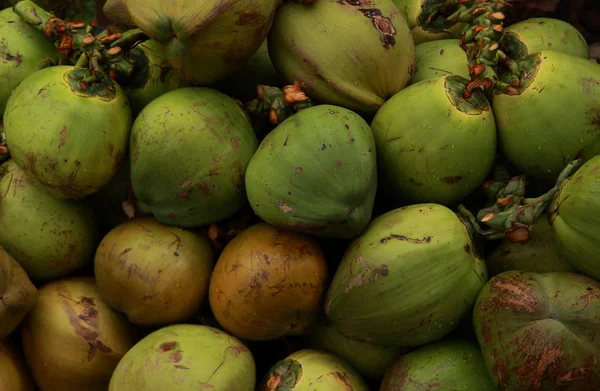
<point>210,143</point>
<point>186,357</point>
<point>49,237</point>
<point>312,370</point>
<point>205,40</point>
<point>268,283</point>
<point>316,173</point>
<point>72,339</point>
<point>534,133</point>
<point>154,273</point>
<point>69,138</point>
<point>25,51</point>
<point>351,53</point>
<point>538,331</point>
<point>384,273</point>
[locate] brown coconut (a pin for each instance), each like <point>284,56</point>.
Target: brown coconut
<point>267,283</point>
<point>156,274</point>
<point>72,339</point>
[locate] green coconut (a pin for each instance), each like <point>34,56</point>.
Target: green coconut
<point>432,144</point>
<point>23,51</point>
<point>408,279</point>
<point>574,217</point>
<point>316,173</point>
<point>368,359</point>
<point>18,295</point>
<point>450,364</point>
<point>537,34</point>
<point>350,53</point>
<point>312,370</point>
<point>555,117</point>
<point>209,142</point>
<point>49,237</point>
<point>186,357</point>
<point>205,41</point>
<point>442,57</point>
<point>70,136</point>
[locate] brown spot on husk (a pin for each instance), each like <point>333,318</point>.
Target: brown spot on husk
<point>176,357</point>
<point>594,116</point>
<point>181,367</point>
<point>235,142</point>
<point>85,324</point>
<point>513,293</point>
<point>249,18</point>
<point>383,24</point>
<point>367,276</point>
<point>185,195</point>
<point>344,380</point>
<point>17,59</point>
<point>451,180</point>
<point>238,350</point>
<point>540,353</point>
<point>399,374</point>
<point>63,137</point>
<point>167,346</point>
<point>205,188</point>
<point>284,207</point>
<point>426,239</point>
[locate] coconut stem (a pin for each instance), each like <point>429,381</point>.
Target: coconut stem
<point>277,104</point>
<point>511,215</point>
<point>76,42</point>
<point>482,41</point>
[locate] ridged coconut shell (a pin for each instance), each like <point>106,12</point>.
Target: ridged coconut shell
<point>538,332</point>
